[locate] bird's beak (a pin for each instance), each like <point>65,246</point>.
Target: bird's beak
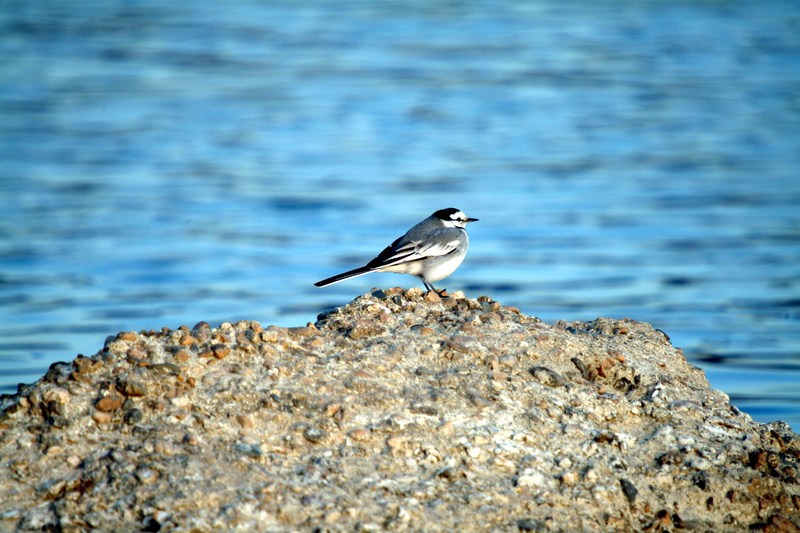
<point>472,219</point>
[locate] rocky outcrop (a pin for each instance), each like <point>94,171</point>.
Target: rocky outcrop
<point>400,411</point>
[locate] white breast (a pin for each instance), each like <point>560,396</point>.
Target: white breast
<point>440,268</point>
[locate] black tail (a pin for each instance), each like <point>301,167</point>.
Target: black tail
<point>343,276</point>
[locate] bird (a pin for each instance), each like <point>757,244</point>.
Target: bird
<point>431,250</point>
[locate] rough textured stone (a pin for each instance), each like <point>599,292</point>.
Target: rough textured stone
<point>399,412</point>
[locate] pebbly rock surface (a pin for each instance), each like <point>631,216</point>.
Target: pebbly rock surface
<point>400,411</point>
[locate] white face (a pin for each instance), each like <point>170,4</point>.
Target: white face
<point>457,220</point>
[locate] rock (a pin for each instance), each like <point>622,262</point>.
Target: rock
<point>131,388</point>
<point>101,417</point>
<point>548,377</point>
<point>402,410</point>
<point>531,478</point>
<point>109,403</point>
<point>432,297</point>
<point>220,351</point>
<point>628,489</point>
<point>146,475</point>
<point>314,435</point>
<point>244,421</point>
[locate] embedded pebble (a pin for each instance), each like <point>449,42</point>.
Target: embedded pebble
<point>402,410</point>
<point>101,417</point>
<point>570,479</point>
<point>546,376</point>
<point>181,401</point>
<point>531,478</point>
<point>220,351</point>
<point>244,421</point>
<point>359,434</point>
<point>57,395</point>
<point>109,403</point>
<point>132,388</point>
<point>315,435</point>
<point>187,340</point>
<point>146,475</point>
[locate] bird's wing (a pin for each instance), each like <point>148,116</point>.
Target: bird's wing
<point>439,242</point>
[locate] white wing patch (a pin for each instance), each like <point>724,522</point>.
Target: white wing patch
<point>416,251</point>
<point>437,248</point>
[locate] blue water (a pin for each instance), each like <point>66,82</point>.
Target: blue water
<point>163,164</point>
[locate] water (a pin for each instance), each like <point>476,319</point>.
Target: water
<point>165,164</point>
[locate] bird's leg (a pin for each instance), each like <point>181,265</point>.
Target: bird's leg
<point>430,288</point>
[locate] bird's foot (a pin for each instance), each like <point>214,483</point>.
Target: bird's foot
<point>439,292</point>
